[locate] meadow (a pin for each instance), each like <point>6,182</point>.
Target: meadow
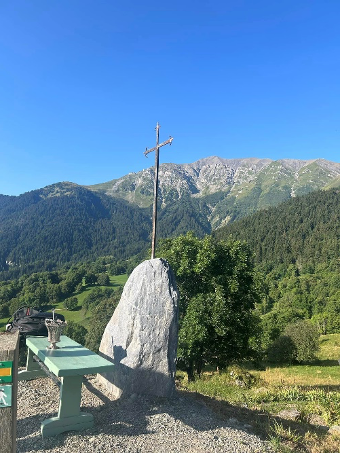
<point>309,392</point>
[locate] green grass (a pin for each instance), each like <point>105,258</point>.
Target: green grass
<point>78,315</point>
<point>261,394</point>
<point>329,347</point>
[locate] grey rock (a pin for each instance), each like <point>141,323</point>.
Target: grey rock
<point>334,430</point>
<point>317,420</point>
<point>141,337</point>
<point>290,413</point>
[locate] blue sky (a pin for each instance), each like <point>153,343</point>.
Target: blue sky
<point>83,83</point>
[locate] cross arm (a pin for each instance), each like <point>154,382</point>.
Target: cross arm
<point>169,141</point>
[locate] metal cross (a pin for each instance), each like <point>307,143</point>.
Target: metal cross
<point>156,181</point>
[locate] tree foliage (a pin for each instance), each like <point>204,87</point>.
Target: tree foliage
<point>76,332</point>
<point>298,343</point>
<point>101,314</point>
<point>66,223</point>
<point>217,297</point>
<point>296,248</point>
<point>71,303</point>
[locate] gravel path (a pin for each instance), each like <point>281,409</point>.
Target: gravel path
<point>135,424</point>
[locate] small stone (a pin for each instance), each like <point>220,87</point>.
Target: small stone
<point>290,413</point>
<point>334,430</point>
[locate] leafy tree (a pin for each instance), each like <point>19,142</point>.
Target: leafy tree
<point>71,303</point>
<point>305,337</point>
<point>298,343</point>
<point>79,288</point>
<point>96,296</point>
<point>217,296</point>
<point>90,278</point>
<point>53,293</point>
<point>103,279</point>
<point>117,268</point>
<point>67,287</point>
<point>76,332</point>
<point>101,315</point>
<point>282,350</point>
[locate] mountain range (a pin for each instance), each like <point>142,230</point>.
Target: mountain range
<point>66,222</point>
<point>227,188</point>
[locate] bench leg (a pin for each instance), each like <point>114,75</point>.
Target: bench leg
<point>69,414</point>
<point>33,370</point>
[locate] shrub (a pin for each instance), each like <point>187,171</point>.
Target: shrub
<point>305,337</point>
<point>298,343</point>
<point>76,332</point>
<point>70,304</point>
<point>282,351</point>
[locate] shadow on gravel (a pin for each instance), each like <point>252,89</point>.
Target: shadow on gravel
<point>261,422</point>
<point>131,416</point>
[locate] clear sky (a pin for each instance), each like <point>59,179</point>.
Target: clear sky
<point>83,83</point>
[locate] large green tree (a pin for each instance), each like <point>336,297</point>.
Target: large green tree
<point>218,292</point>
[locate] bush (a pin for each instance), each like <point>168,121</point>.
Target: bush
<point>305,337</point>
<point>282,351</point>
<point>70,304</point>
<point>298,343</point>
<point>76,332</point>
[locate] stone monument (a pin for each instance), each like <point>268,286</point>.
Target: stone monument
<point>141,337</point>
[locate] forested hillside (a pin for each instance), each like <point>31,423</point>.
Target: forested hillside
<point>296,248</point>
<point>66,223</point>
<point>44,229</point>
<point>295,278</point>
<point>302,231</point>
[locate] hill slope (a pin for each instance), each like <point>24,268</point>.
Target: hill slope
<point>296,247</point>
<point>65,222</point>
<point>45,228</point>
<point>302,230</point>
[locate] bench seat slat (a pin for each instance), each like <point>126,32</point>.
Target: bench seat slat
<point>69,359</point>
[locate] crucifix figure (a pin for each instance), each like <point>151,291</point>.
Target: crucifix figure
<point>156,182</point>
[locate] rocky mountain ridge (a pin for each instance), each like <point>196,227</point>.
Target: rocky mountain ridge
<point>225,184</point>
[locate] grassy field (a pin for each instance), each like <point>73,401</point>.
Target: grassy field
<point>77,315</point>
<point>258,396</point>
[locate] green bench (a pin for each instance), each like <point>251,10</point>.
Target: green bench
<point>69,362</point>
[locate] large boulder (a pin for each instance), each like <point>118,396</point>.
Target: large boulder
<point>141,337</point>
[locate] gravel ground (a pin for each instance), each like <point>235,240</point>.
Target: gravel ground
<point>134,424</point>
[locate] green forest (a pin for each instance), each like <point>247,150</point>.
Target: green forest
<point>263,276</point>
<point>296,249</point>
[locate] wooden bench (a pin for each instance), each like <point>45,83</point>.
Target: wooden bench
<point>69,362</point>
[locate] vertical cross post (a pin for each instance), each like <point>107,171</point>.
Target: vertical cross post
<point>156,181</point>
